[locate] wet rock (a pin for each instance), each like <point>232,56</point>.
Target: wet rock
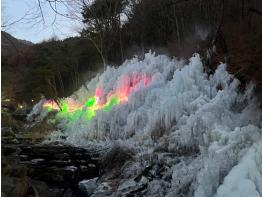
<point>87,187</point>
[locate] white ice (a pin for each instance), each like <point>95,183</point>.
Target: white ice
<point>186,107</point>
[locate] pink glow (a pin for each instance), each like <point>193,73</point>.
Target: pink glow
<point>127,84</point>
<point>131,84</point>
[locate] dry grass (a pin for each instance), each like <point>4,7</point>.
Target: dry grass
<point>41,129</point>
<point>36,133</point>
<point>8,121</point>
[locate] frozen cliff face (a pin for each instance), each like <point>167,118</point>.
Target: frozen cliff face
<point>174,105</point>
<point>179,99</point>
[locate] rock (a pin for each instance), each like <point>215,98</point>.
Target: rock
<point>24,158</point>
<point>155,170</point>
<point>37,161</point>
<point>15,141</point>
<point>127,187</point>
<point>87,187</point>
<point>101,194</point>
<point>9,150</point>
<point>60,166</point>
<point>11,140</point>
<point>133,188</point>
<point>157,188</point>
<point>59,163</point>
<point>20,114</point>
<point>62,156</point>
<point>71,171</point>
<point>68,193</point>
<point>57,192</point>
<point>7,132</point>
<point>143,180</point>
<point>103,190</point>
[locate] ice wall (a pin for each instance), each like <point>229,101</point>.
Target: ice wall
<point>184,107</point>
<point>180,97</point>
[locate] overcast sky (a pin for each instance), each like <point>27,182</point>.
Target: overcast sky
<point>32,30</point>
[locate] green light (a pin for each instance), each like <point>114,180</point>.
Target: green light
<point>64,107</point>
<point>49,109</point>
<point>72,113</point>
<point>91,102</point>
<point>90,114</point>
<point>113,101</point>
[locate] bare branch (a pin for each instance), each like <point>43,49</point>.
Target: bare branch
<point>40,8</point>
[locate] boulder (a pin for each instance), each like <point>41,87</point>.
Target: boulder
<point>87,187</point>
<point>9,150</point>
<point>7,132</point>
<point>20,114</point>
<point>130,187</point>
<point>104,189</point>
<point>157,188</point>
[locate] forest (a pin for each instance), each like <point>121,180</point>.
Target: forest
<point>221,31</point>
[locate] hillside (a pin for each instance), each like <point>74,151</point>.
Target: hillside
<point>11,45</point>
<point>52,68</point>
<point>220,31</point>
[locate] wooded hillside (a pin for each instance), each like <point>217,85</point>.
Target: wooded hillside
<point>221,31</point>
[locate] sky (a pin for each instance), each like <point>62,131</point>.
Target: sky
<point>32,27</point>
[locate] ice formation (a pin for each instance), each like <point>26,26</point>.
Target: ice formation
<point>178,106</point>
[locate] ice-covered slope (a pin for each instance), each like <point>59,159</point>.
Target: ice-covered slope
<point>181,106</point>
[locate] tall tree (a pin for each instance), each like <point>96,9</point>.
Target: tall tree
<point>103,26</point>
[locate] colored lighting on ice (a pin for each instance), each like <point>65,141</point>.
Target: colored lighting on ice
<point>72,110</point>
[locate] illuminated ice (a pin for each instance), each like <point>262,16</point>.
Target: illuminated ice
<point>178,104</point>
